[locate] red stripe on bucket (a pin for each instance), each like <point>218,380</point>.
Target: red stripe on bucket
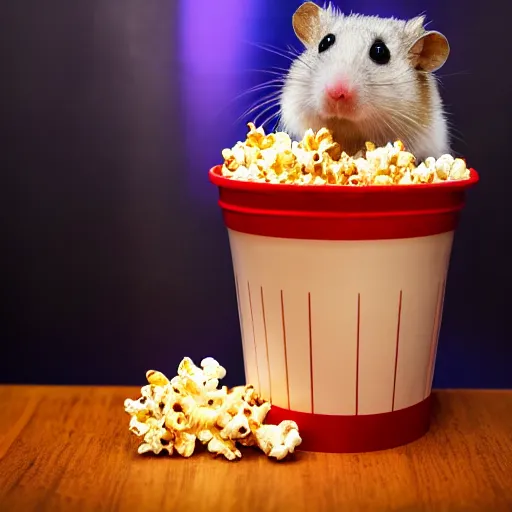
<point>333,212</point>
<point>311,355</point>
<point>357,356</point>
<point>397,347</point>
<point>266,342</point>
<point>355,434</point>
<point>285,349</point>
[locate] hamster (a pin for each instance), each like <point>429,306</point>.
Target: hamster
<point>366,79</point>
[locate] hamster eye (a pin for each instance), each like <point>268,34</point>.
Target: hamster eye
<point>326,43</point>
<point>379,52</point>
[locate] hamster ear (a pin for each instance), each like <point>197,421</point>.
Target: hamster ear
<point>429,52</point>
<point>306,22</point>
<point>415,25</point>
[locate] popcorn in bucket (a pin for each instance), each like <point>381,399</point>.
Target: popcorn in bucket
<point>340,266</point>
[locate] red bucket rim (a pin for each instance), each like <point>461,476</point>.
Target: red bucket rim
<point>255,186</point>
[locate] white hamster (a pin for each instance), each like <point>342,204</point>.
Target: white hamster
<point>366,78</point>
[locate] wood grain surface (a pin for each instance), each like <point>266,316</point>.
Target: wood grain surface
<point>69,448</point>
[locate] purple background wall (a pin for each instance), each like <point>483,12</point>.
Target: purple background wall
<point>114,256</point>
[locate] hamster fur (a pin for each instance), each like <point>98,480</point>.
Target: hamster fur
<point>359,94</point>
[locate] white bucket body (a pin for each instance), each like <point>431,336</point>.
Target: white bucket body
<point>340,327</point>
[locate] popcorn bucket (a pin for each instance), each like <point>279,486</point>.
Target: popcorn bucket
<point>340,295</point>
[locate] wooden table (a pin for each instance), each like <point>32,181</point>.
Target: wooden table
<point>69,448</point>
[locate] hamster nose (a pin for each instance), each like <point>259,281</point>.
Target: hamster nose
<point>339,92</point>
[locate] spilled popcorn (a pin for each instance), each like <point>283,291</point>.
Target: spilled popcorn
<point>173,415</point>
<point>318,160</point>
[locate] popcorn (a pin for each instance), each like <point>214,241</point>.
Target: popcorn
<point>318,160</point>
<point>172,415</point>
<point>278,440</point>
<point>383,180</point>
<point>458,169</point>
<point>404,159</point>
<point>424,174</point>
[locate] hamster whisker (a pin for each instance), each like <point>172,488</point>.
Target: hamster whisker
<point>405,132</point>
<point>269,72</point>
<point>283,70</point>
<point>289,56</point>
<point>390,84</point>
<point>374,130</point>
<point>271,50</point>
<point>261,102</point>
<point>289,50</point>
<point>401,128</point>
<point>272,99</point>
<point>286,52</point>
<point>397,123</point>
<point>378,130</point>
<point>270,118</point>
<point>300,59</point>
<point>410,118</point>
<point>405,119</point>
<point>281,82</point>
<point>457,73</point>
<point>392,79</point>
<point>447,112</point>
<point>281,78</point>
<point>270,107</point>
<point>293,50</point>
<point>257,89</point>
<point>454,137</point>
<point>396,80</point>
<point>270,84</point>
<point>392,105</point>
<point>454,133</point>
<point>452,126</point>
<point>392,126</point>
<point>276,82</point>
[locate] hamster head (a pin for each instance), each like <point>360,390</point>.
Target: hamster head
<point>365,78</point>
